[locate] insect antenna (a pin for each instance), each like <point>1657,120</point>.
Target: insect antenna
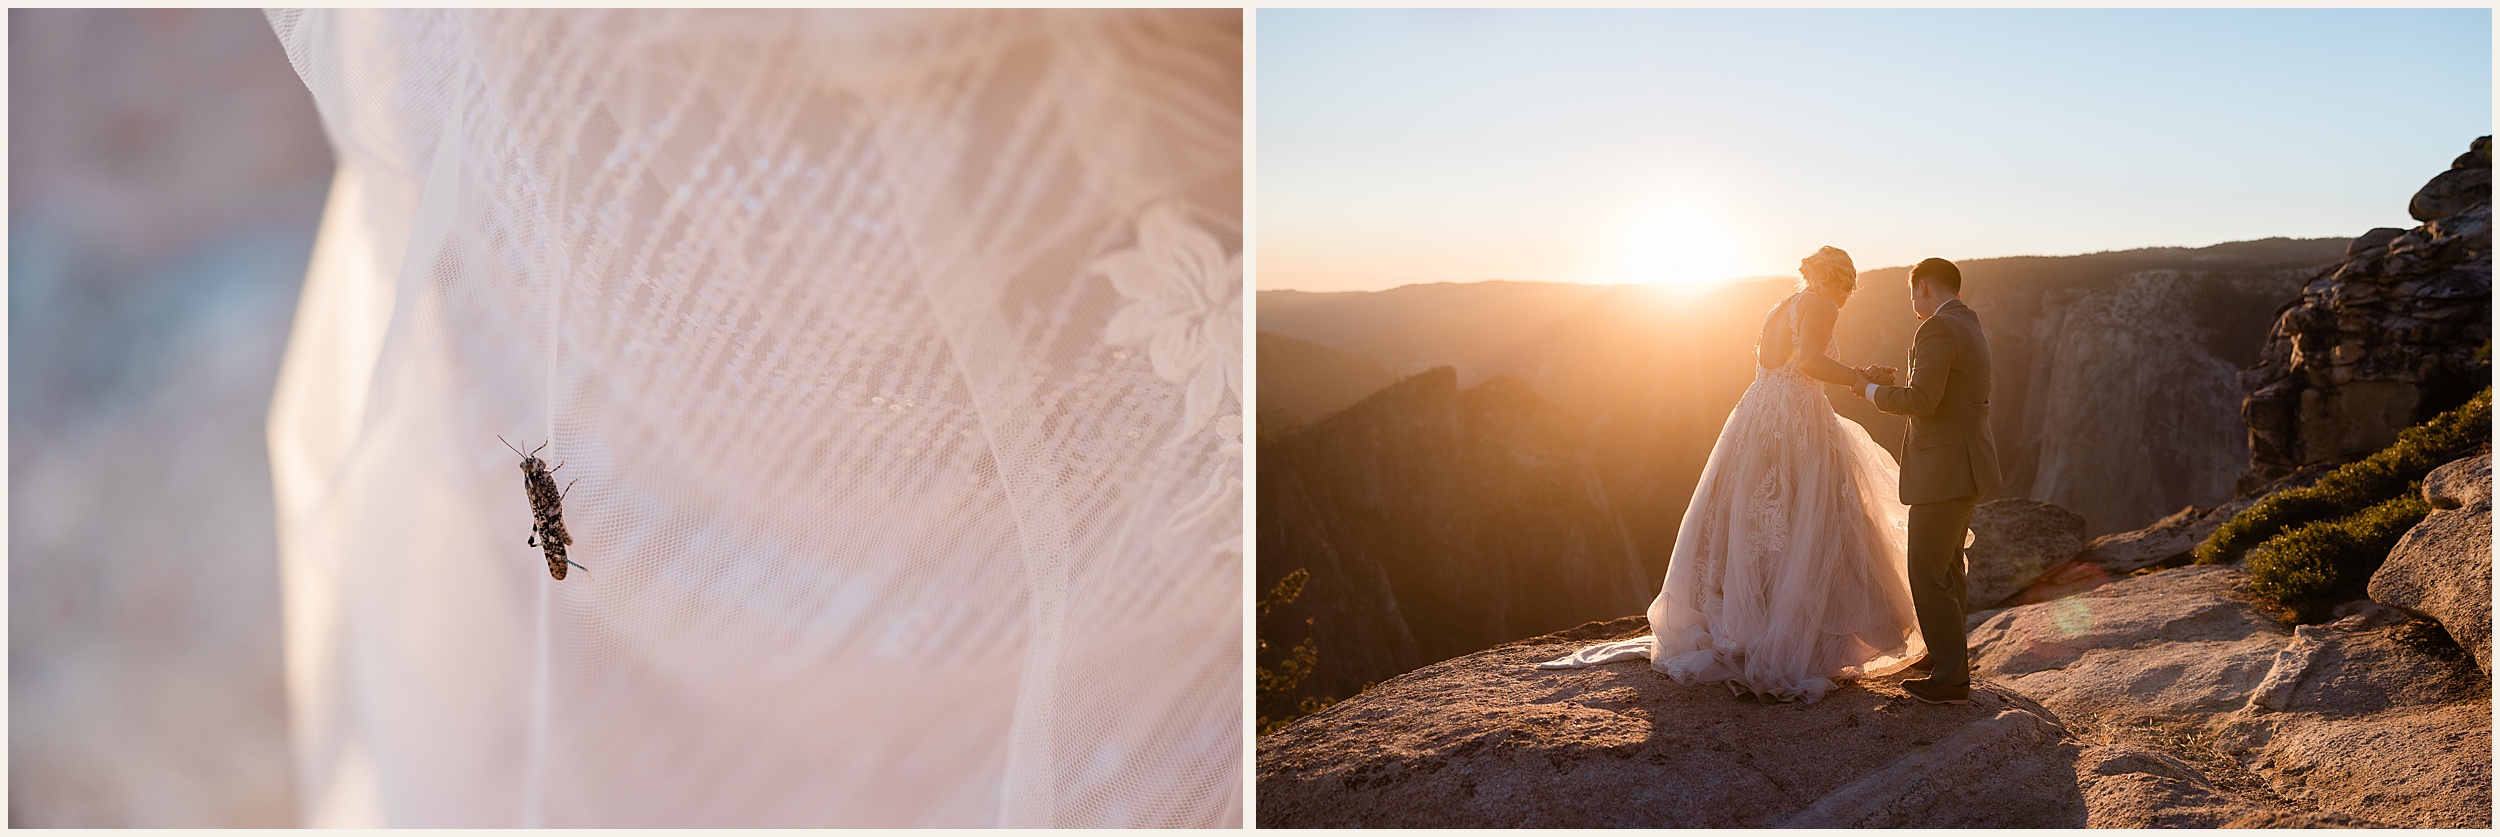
<point>499,437</point>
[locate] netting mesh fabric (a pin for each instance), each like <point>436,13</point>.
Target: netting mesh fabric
<point>897,357</point>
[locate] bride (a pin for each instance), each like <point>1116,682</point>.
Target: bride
<point>1789,572</point>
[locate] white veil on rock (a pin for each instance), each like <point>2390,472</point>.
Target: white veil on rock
<point>897,355</point>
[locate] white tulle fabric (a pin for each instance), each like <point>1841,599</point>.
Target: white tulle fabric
<point>1789,572</point>
<point>897,355</point>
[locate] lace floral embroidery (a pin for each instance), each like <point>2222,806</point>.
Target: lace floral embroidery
<point>1768,512</point>
<point>1182,303</point>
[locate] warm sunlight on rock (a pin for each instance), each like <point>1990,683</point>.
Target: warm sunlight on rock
<point>1678,248</point>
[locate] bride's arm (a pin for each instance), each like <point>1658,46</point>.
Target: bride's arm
<point>1814,331</point>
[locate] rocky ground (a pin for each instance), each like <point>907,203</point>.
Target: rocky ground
<point>2375,716</point>
<point>1487,740</point>
<point>2441,571</point>
<point>2153,698</point>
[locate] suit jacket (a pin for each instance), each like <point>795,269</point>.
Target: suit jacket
<point>1949,452</point>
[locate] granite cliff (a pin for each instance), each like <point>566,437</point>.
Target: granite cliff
<point>1433,521</point>
<point>2381,339</point>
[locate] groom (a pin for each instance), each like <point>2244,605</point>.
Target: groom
<point>1948,462</point>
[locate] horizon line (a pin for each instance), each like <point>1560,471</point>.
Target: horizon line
<point>1609,281</point>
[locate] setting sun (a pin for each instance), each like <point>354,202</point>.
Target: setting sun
<point>1678,248</point>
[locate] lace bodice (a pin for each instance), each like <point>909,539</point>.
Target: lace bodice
<point>1790,370</point>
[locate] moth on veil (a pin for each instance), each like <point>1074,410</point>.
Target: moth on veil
<point>546,508</point>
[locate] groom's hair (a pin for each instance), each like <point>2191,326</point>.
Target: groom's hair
<point>1938,272</point>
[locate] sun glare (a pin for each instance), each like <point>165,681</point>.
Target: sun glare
<point>1678,249</point>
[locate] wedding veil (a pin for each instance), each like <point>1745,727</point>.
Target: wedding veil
<point>897,355</point>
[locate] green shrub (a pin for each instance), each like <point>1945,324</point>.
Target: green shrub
<point>1286,590</point>
<point>2314,566</point>
<point>1280,672</point>
<point>1288,673</point>
<point>2358,485</point>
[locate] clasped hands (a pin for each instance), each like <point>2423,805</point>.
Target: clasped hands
<point>1876,374</point>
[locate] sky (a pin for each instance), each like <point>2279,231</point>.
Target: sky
<point>1683,146</point>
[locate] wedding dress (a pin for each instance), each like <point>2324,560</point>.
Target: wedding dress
<point>1789,572</point>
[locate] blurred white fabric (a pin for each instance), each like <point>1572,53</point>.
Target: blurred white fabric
<point>897,355</point>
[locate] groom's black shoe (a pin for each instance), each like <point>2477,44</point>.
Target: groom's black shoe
<point>1926,663</point>
<point>1927,690</point>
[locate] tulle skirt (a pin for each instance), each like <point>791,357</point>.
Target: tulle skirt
<point>1790,571</point>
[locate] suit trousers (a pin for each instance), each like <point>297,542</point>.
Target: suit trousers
<point>1937,585</point>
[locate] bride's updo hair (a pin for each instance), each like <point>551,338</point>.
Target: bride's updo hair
<point>1829,269</point>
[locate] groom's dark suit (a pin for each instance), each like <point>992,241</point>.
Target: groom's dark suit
<point>1948,461</point>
